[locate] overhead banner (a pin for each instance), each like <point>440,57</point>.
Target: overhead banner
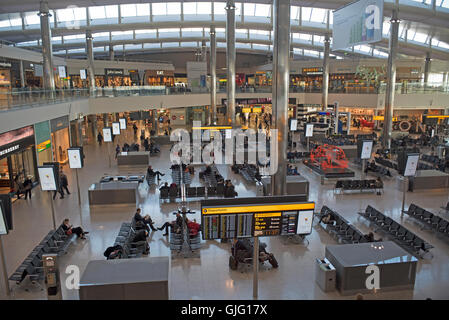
<point>357,23</point>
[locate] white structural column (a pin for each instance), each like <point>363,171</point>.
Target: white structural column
<point>391,80</point>
<point>230,60</point>
<point>281,47</point>
<point>325,86</point>
<point>90,60</point>
<point>213,75</point>
<point>427,69</point>
<point>111,52</point>
<point>203,51</point>
<point>47,52</point>
<point>22,74</point>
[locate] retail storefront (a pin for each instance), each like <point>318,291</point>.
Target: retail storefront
<point>60,138</point>
<point>160,78</point>
<point>116,78</point>
<point>42,134</point>
<point>17,157</point>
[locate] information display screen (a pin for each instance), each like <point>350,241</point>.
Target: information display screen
<point>47,178</point>
<point>122,122</point>
<point>239,221</point>
<point>3,228</point>
<point>83,74</point>
<point>293,125</point>
<point>309,130</point>
<point>75,158</point>
<point>411,165</point>
<point>116,128</point>
<point>107,135</point>
<point>367,147</point>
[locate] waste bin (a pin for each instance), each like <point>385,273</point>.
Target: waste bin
<point>325,275</point>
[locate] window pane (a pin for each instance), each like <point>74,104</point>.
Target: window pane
<point>174,8</point>
<point>204,8</point>
<point>159,9</point>
<point>32,18</point>
<point>294,13</point>
<point>97,12</point>
<point>189,7</point>
<point>306,12</point>
<point>318,15</point>
<point>143,9</point>
<point>420,37</point>
<point>249,9</point>
<point>262,10</point>
<point>111,11</point>
<point>128,10</point>
<point>219,7</point>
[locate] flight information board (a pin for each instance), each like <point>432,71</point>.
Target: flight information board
<point>241,221</point>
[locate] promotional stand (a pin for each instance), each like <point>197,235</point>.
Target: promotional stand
<point>365,148</point>
<point>308,134</point>
<point>5,205</point>
<point>107,136</point>
<point>49,180</point>
<point>409,171</point>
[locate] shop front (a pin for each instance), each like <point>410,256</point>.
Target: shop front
<point>17,158</point>
<point>5,84</point>
<point>60,138</point>
<point>160,78</point>
<point>116,78</point>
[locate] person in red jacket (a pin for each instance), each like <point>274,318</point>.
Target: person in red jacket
<point>194,227</point>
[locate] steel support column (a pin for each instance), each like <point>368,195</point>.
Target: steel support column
<point>47,52</point>
<point>90,60</point>
<point>427,69</point>
<point>325,92</point>
<point>391,80</point>
<point>281,25</point>
<point>22,74</point>
<point>213,75</point>
<point>230,60</point>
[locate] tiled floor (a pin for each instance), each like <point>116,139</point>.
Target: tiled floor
<point>209,277</point>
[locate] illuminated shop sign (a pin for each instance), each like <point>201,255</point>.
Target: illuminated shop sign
<point>312,71</point>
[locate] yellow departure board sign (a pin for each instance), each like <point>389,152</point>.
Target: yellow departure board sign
<point>270,219</point>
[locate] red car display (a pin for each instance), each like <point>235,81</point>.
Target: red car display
<point>329,157</point>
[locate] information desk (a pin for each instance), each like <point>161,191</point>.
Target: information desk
<point>397,267</point>
<point>114,192</point>
<point>133,158</point>
<point>126,279</point>
<point>429,179</point>
<point>295,185</point>
<point>270,216</point>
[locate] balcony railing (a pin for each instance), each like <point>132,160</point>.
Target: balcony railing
<point>37,97</point>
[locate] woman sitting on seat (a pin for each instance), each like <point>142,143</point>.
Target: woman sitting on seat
<point>69,229</point>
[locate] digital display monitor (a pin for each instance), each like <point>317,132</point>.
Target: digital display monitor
<point>47,178</point>
<point>75,158</point>
<point>293,125</point>
<point>116,128</point>
<point>107,135</point>
<point>83,74</point>
<point>309,130</point>
<point>122,122</point>
<point>3,225</point>
<point>411,165</point>
<point>367,148</point>
<point>261,220</point>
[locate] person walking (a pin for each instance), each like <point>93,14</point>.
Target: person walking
<point>28,185</point>
<point>117,151</point>
<point>64,183</point>
<point>100,138</point>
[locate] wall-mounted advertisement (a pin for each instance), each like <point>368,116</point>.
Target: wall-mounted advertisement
<point>107,135</point>
<point>357,23</point>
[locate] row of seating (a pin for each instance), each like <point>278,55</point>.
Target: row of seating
<point>135,178</point>
<point>194,192</point>
<point>341,229</point>
<point>432,159</point>
<point>378,170</point>
<point>399,234</point>
<point>125,240</point>
<point>211,178</point>
<point>359,185</point>
<point>177,174</point>
<point>249,172</point>
<point>341,141</point>
<point>386,163</point>
<point>56,241</point>
<point>433,221</point>
<point>177,239</point>
<point>293,156</point>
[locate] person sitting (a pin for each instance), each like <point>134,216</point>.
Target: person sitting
<point>175,225</point>
<point>378,185</point>
<point>208,170</point>
<point>140,235</point>
<point>327,219</point>
<point>114,252</point>
<point>194,227</point>
<point>152,173</point>
<point>164,187</point>
<point>137,215</point>
<point>69,229</point>
<point>149,222</point>
<point>229,191</point>
<point>370,237</point>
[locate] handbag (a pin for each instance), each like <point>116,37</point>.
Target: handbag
<point>69,232</point>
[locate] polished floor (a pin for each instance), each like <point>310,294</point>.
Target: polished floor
<point>209,276</point>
